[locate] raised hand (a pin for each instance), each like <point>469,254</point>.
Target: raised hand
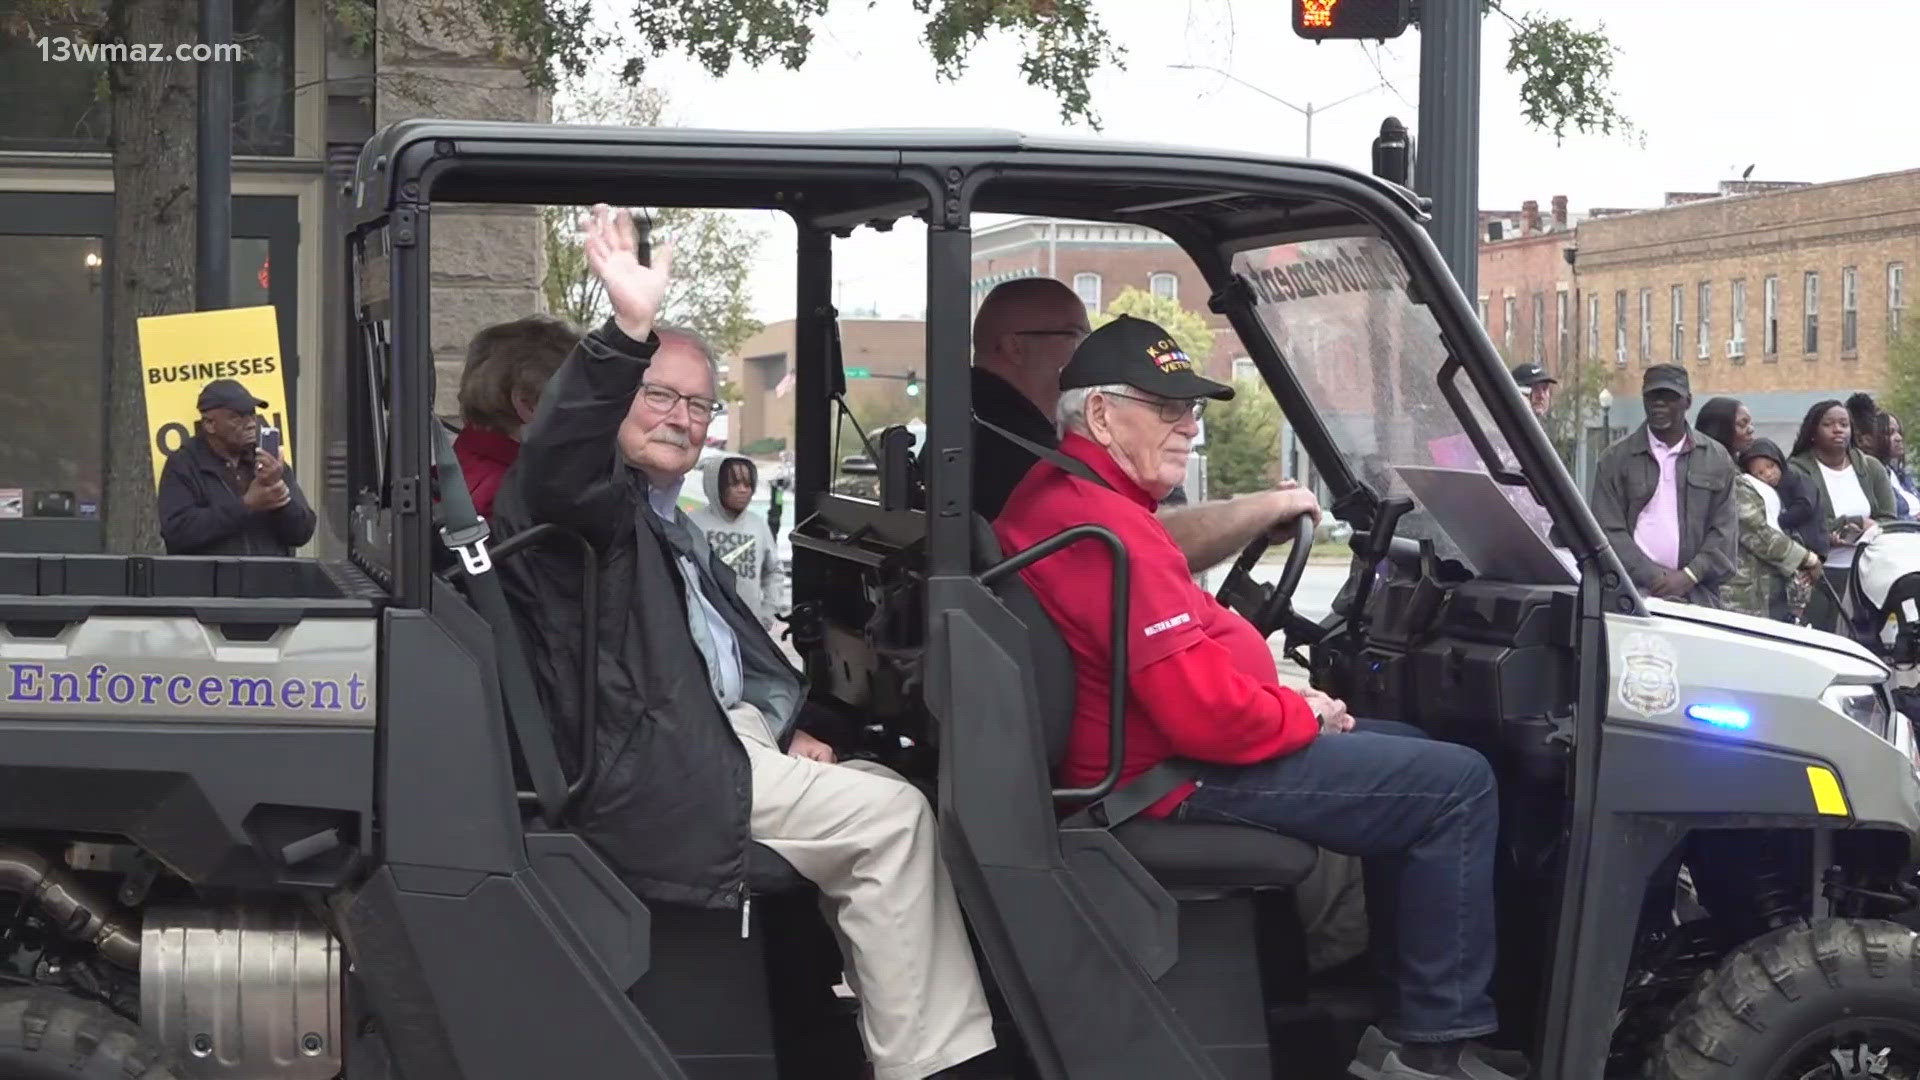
<point>613,254</point>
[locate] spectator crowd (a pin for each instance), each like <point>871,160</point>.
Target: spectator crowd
<point>1710,512</point>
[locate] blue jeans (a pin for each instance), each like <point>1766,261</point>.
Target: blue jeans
<point>1423,817</point>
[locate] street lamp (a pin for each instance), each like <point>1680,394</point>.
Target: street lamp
<point>1606,415</point>
<point>1309,111</point>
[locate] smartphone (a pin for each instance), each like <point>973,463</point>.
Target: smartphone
<point>270,439</point>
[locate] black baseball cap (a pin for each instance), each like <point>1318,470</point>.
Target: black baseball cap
<point>1666,377</point>
<point>228,394</point>
<point>1532,375</point>
<point>1140,354</point>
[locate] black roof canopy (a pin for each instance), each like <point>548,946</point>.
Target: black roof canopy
<point>842,179</point>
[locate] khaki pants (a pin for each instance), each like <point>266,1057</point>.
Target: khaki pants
<point>869,841</point>
<point>1333,909</point>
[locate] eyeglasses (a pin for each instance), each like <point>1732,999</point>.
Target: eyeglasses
<point>662,399</point>
<point>1170,412</point>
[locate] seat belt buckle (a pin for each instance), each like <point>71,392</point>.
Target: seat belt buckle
<point>470,544</point>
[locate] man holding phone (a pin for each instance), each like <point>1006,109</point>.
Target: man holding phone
<point>227,491</point>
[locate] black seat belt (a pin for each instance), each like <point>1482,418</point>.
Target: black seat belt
<point>1048,454</point>
<point>1130,799</point>
<point>465,533</point>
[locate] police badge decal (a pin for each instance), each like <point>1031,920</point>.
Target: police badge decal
<point>1649,675</point>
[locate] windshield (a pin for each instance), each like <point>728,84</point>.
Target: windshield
<point>1368,358</point>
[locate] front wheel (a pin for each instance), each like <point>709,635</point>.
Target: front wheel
<point>1836,999</point>
<point>49,1035</point>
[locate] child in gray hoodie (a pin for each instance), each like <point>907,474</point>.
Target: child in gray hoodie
<point>739,536</point>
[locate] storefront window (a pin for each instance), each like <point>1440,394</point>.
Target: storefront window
<point>53,90</point>
<point>51,375</point>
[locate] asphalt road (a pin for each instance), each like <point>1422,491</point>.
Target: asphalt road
<point>1318,586</point>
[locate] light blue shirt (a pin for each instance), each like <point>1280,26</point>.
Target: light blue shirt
<point>711,632</point>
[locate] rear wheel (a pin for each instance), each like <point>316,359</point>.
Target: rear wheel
<point>1830,1001</point>
<point>49,1035</point>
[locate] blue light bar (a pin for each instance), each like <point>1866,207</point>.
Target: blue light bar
<point>1725,716</point>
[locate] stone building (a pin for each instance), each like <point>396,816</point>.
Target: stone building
<point>305,99</point>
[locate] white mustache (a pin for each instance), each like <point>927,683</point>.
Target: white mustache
<point>672,438</point>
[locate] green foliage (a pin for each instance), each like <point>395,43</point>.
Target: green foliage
<point>763,447</point>
<point>1566,74</point>
<point>1063,43</point>
<point>1188,328</point>
<point>1243,441</point>
<point>1576,405</point>
<point>358,21</point>
<point>1902,398</point>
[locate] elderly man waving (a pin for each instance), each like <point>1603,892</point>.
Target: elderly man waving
<point>1204,694</point>
<point>698,708</point>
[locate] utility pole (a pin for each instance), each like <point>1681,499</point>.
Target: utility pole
<point>1309,110</point>
<point>213,229</point>
<point>1447,169</point>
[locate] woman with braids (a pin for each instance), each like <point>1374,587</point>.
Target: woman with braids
<point>1851,492</point>
<point>1888,443</point>
<point>1767,558</point>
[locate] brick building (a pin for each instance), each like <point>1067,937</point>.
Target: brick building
<point>1778,294</point>
<point>1528,299</point>
<point>881,347</point>
<point>1099,260</point>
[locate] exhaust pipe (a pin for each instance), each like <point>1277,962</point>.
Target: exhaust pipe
<point>75,911</point>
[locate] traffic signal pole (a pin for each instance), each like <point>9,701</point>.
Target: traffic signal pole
<point>1447,169</point>
<point>213,231</point>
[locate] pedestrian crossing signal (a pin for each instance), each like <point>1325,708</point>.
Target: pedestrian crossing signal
<point>1321,20</point>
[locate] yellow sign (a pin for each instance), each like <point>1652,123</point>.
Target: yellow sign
<point>181,354</point>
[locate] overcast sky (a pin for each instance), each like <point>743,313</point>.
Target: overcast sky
<point>1802,91</point>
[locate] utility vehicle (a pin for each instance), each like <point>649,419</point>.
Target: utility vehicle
<point>290,818</point>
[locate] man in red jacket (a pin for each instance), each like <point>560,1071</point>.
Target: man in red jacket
<point>1204,695</point>
<point>508,364</point>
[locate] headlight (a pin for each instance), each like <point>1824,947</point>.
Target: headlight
<point>1864,705</point>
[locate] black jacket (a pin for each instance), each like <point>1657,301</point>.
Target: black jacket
<point>671,793</point>
<point>1799,513</point>
<point>200,514</point>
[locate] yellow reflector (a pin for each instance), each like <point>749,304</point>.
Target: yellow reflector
<point>1827,798</point>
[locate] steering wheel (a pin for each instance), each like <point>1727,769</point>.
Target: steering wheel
<point>1267,607</point>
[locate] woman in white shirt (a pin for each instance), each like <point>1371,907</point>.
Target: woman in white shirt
<point>1852,490</point>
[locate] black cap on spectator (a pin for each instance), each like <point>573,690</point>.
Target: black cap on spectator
<point>1532,375</point>
<point>228,394</point>
<point>1666,377</point>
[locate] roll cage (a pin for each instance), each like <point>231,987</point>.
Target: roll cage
<point>1212,204</point>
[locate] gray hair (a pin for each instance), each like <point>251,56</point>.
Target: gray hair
<point>700,345</point>
<point>1071,413</point>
